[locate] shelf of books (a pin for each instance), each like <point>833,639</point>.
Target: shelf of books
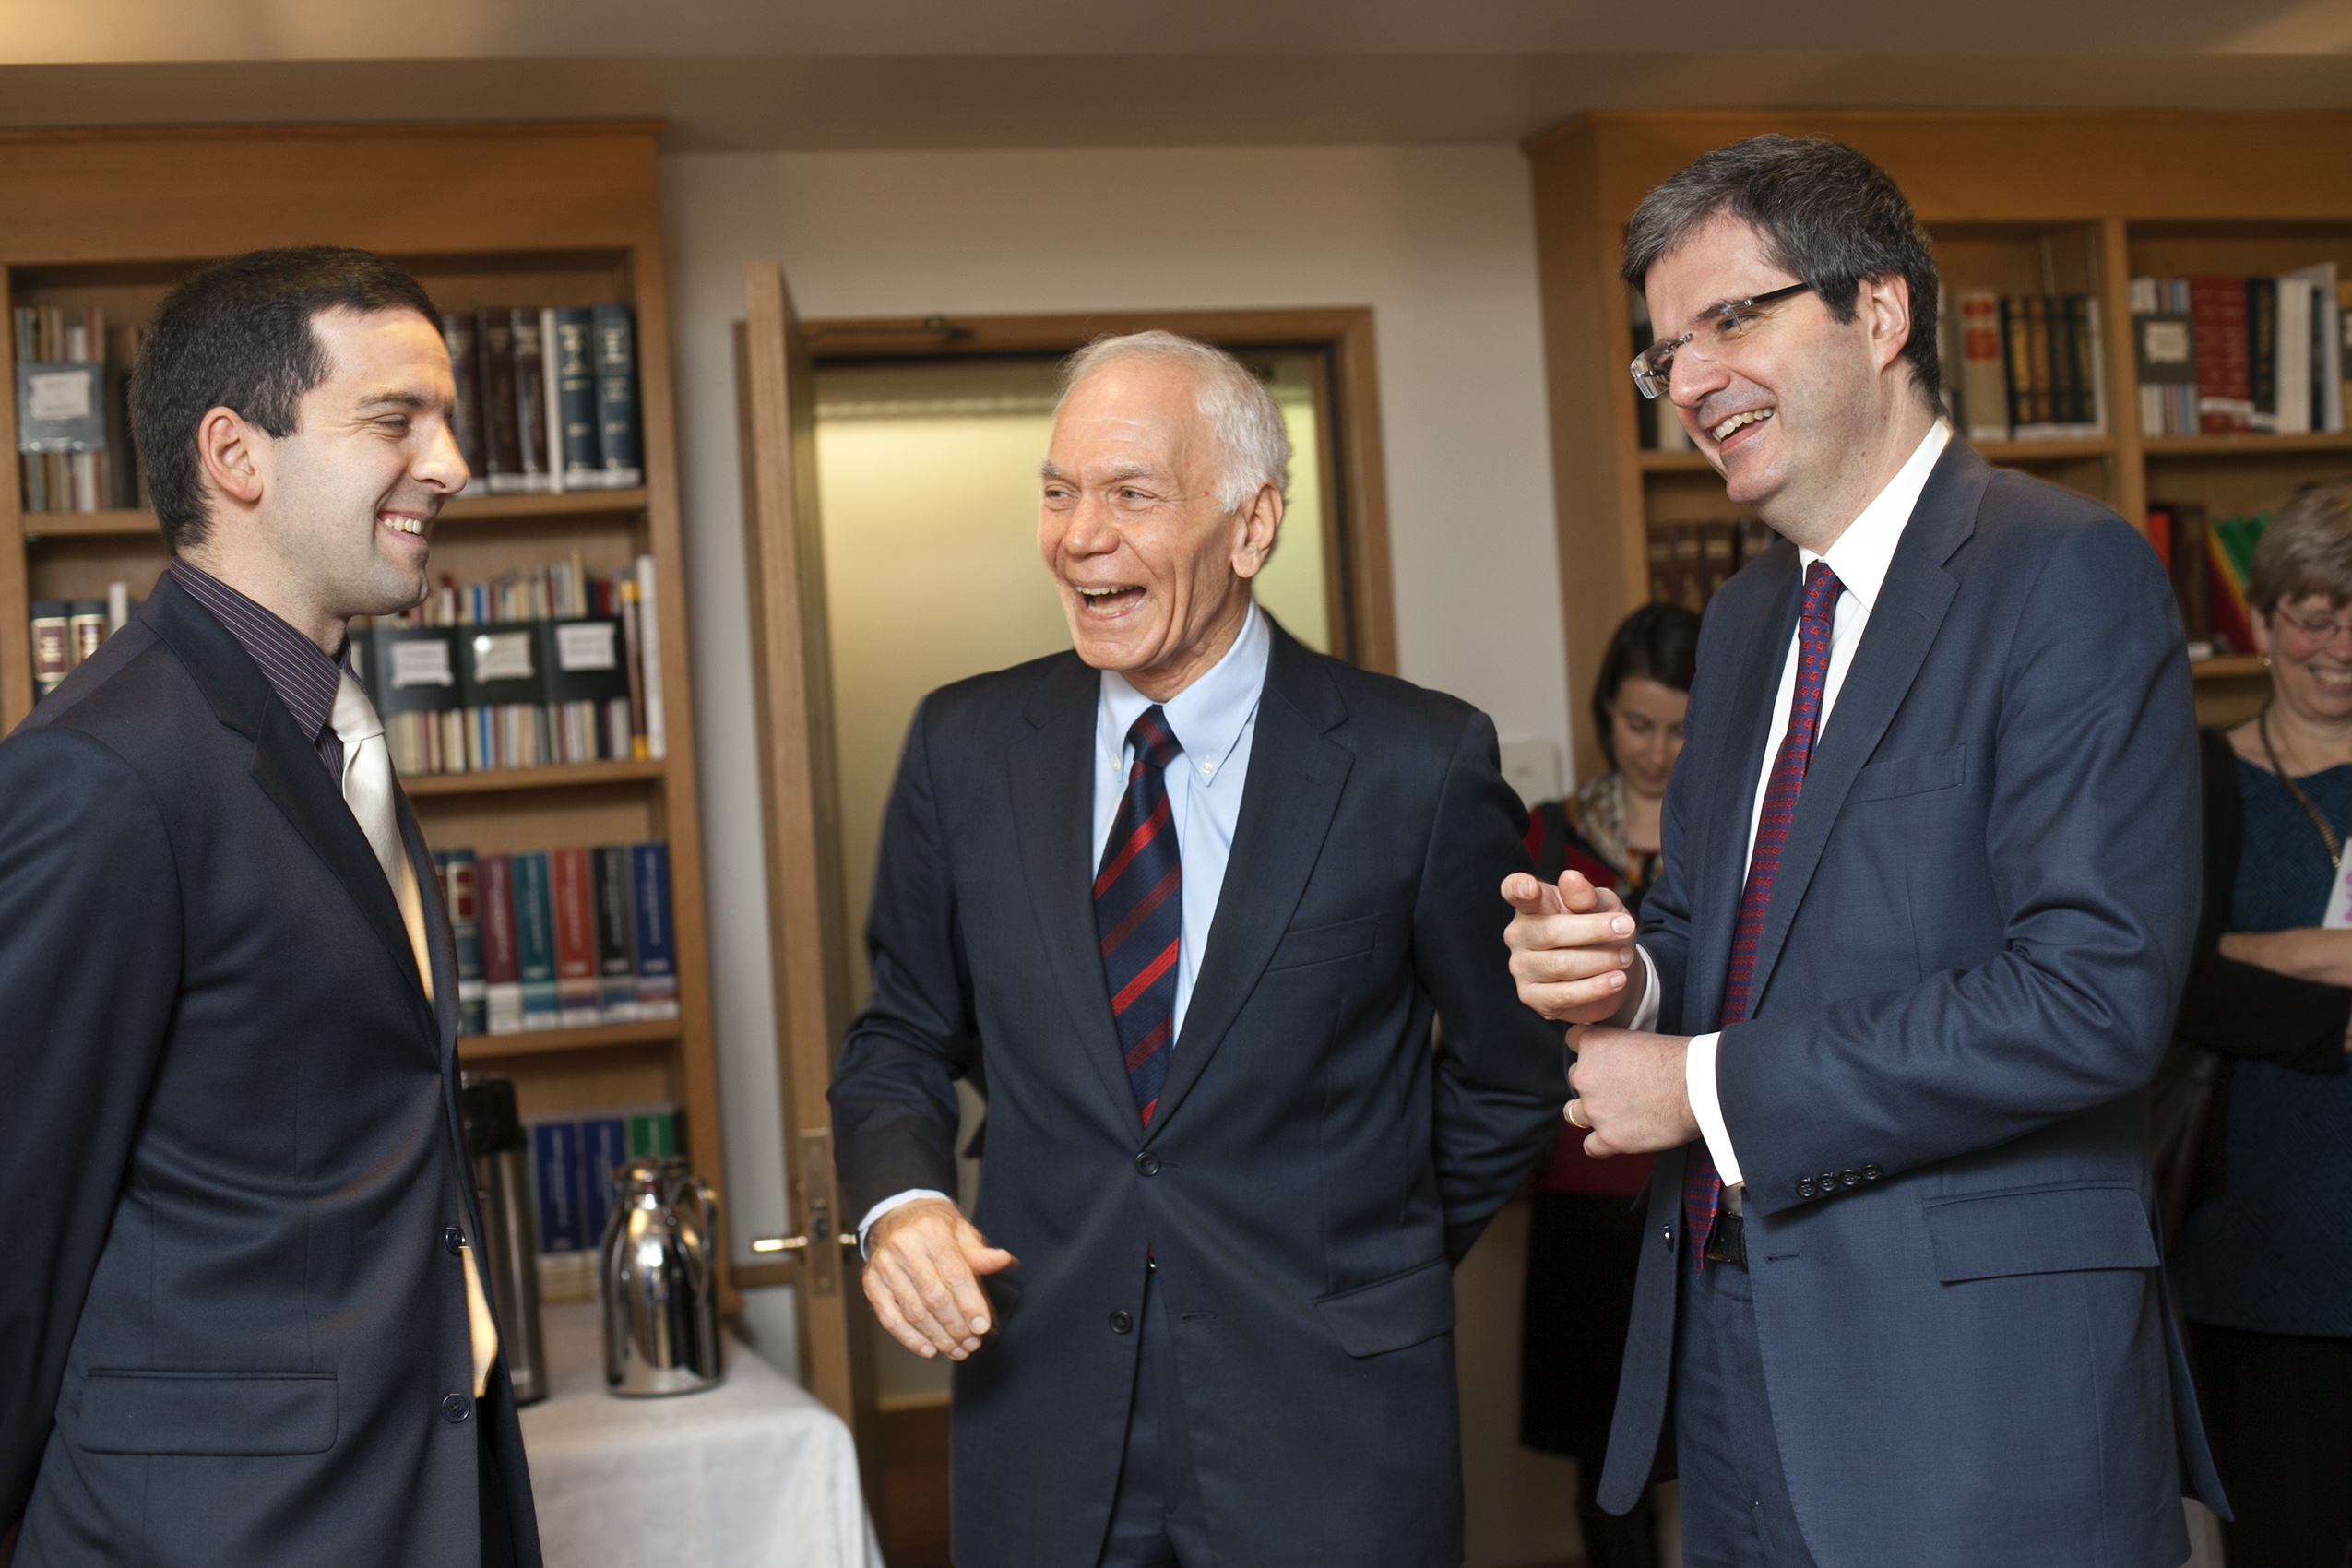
<point>2160,319</point>
<point>536,704</point>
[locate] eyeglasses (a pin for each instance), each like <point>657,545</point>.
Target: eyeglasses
<point>1654,366</point>
<point>2319,632</point>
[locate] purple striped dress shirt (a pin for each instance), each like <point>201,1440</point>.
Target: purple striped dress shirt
<point>304,678</point>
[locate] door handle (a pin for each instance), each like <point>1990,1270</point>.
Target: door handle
<point>815,1244</point>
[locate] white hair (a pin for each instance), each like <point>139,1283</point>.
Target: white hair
<point>1254,444</point>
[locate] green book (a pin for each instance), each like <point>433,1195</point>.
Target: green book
<point>534,941</point>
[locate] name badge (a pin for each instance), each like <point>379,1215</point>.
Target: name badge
<point>2339,898</point>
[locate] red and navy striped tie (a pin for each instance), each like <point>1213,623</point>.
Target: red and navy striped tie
<point>1702,1185</point>
<point>1139,909</point>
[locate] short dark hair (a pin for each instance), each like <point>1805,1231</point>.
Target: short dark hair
<point>1828,216</point>
<point>238,336</point>
<point>1659,642</point>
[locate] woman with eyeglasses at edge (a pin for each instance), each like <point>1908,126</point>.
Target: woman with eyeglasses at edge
<point>1585,1236</point>
<point>2263,1271</point>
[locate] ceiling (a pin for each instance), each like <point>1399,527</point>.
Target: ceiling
<point>745,75</point>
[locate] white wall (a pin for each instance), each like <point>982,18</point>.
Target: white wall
<point>1438,240</point>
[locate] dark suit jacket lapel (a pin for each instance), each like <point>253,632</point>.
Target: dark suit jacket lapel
<point>1748,727</point>
<point>1287,801</point>
<point>285,763</point>
<point>1049,773</point>
<point>1903,625</point>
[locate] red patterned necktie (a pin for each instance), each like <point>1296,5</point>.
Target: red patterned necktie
<point>1138,911</point>
<point>1702,1186</point>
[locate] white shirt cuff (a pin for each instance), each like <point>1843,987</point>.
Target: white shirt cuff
<point>1707,1107</point>
<point>1645,1018</point>
<point>895,1200</point>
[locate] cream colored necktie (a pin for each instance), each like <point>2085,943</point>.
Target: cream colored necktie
<point>367,790</point>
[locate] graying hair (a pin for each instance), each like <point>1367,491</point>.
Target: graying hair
<point>1253,442</point>
<point>2306,550</point>
<point>1826,215</point>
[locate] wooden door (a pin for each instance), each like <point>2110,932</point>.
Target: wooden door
<point>784,556</point>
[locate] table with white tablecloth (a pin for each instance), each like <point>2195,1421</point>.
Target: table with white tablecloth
<point>751,1474</point>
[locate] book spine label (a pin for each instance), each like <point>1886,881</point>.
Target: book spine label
<point>604,1148</point>
<point>555,1171</point>
<point>617,396</point>
<point>53,644</point>
<point>535,942</point>
<point>657,956</point>
<point>653,1132</point>
<point>617,937</point>
<point>573,887</point>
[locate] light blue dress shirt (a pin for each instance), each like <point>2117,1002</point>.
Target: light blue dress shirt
<point>1215,718</point>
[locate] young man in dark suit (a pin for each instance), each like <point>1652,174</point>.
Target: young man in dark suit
<point>1194,894</point>
<point>242,1322</point>
<point>1928,892</point>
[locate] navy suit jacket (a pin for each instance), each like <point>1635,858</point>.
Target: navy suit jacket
<point>229,1324</point>
<point>1314,1169</point>
<point>1967,971</point>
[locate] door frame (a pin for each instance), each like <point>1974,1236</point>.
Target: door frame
<point>1356,507</point>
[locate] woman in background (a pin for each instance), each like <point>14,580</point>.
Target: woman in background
<point>1585,1236</point>
<point>2264,1272</point>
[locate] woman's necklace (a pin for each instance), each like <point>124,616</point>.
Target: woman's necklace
<point>2327,834</point>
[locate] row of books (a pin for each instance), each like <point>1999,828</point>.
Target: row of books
<point>547,398</point>
<point>554,665</point>
<point>2209,562</point>
<point>2029,366</point>
<point>1689,561</point>
<point>561,939</point>
<point>2219,354</point>
<point>67,631</point>
<point>572,1158</point>
<point>73,409</point>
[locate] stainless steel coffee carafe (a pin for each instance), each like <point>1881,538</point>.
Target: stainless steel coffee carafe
<point>659,1280</point>
<point>499,1152</point>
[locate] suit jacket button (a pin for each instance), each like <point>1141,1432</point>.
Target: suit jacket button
<point>1828,1183</point>
<point>455,1407</point>
<point>1119,1323</point>
<point>454,1240</point>
<point>1871,1173</point>
<point>1148,1163</point>
<point>1850,1178</point>
<point>1804,1186</point>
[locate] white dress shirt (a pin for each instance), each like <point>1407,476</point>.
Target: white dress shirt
<point>1214,720</point>
<point>1860,557</point>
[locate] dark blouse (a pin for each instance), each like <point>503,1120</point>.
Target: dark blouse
<point>2268,1252</point>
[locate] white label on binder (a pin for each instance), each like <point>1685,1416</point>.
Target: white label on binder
<point>425,662</point>
<point>586,645</point>
<point>58,394</point>
<point>503,656</point>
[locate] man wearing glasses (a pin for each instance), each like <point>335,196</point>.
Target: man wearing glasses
<point>1930,885</point>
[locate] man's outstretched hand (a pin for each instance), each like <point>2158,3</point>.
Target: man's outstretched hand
<point>1572,949</point>
<point>924,1262</point>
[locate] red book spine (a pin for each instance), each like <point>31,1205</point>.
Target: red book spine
<point>577,991</point>
<point>2225,373</point>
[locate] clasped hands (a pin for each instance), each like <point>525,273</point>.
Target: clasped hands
<point>1572,954</point>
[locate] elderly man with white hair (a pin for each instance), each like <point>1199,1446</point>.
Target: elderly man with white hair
<point>1191,896</point>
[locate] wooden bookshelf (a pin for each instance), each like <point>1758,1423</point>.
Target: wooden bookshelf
<point>547,215</point>
<point>2016,202</point>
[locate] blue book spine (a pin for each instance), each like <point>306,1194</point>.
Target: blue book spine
<point>555,1168</point>
<point>604,1145</point>
<point>617,396</point>
<point>535,942</point>
<point>657,955</point>
<point>579,442</point>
